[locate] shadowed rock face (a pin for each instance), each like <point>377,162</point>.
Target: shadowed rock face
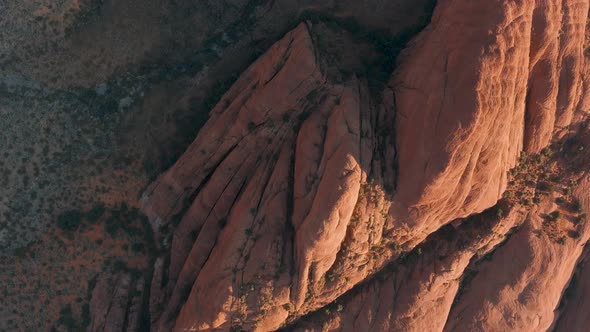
<point>310,202</point>
<point>576,298</point>
<point>116,303</point>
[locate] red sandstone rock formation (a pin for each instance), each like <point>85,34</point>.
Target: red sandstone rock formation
<point>284,143</point>
<point>504,269</point>
<point>464,105</point>
<point>521,285</point>
<point>302,200</point>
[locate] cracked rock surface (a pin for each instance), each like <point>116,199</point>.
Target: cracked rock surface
<point>449,198</point>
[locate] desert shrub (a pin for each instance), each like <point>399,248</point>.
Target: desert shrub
<point>555,215</point>
<point>138,247</point>
<point>66,318</point>
<point>119,265</point>
<point>69,220</point>
<point>95,213</point>
<point>547,152</point>
<point>111,226</point>
<point>574,234</point>
<point>545,186</point>
<point>581,219</point>
<point>577,207</point>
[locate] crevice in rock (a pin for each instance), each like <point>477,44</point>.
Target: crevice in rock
<point>447,233</point>
<point>571,287</point>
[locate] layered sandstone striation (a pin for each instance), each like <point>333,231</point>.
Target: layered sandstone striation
<point>309,201</point>
<point>464,96</point>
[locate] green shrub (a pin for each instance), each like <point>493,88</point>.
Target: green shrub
<point>545,186</point>
<point>575,234</point>
<point>547,152</point>
<point>138,247</point>
<point>577,207</point>
<point>69,220</point>
<point>96,212</point>
<point>119,265</point>
<point>555,215</point>
<point>66,318</point>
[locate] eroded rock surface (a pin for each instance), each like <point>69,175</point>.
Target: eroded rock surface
<point>116,303</point>
<point>504,269</point>
<point>417,293</point>
<point>521,285</point>
<point>288,141</point>
<point>309,201</point>
<point>463,100</point>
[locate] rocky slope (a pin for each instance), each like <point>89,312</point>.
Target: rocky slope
<point>285,140</point>
<point>311,201</point>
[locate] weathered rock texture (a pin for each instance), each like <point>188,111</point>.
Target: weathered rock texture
<point>465,91</point>
<point>504,269</point>
<point>576,298</point>
<point>520,286</point>
<point>116,303</point>
<point>417,293</point>
<point>302,200</point>
<point>285,143</point>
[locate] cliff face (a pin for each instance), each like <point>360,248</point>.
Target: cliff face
<point>470,97</point>
<point>309,201</point>
<point>287,142</point>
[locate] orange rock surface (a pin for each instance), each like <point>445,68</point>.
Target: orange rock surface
<point>521,285</point>
<point>463,97</point>
<point>308,202</point>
